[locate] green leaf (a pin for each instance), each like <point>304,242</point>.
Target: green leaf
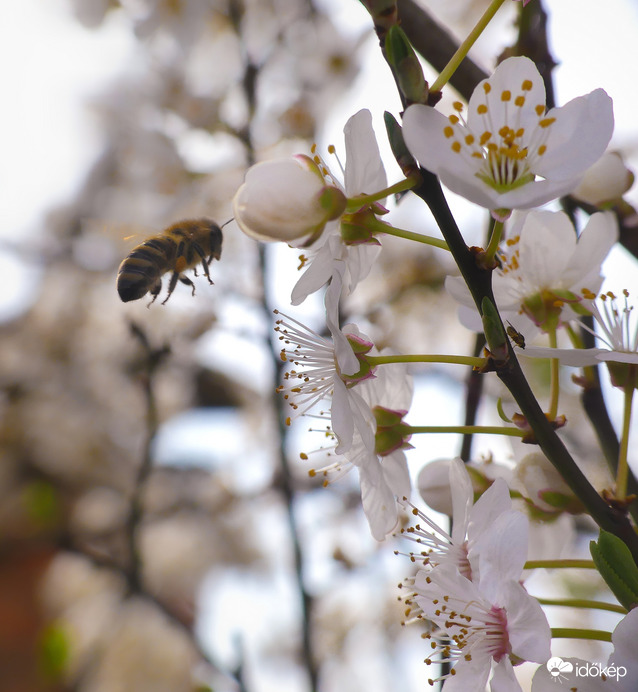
<point>617,567</point>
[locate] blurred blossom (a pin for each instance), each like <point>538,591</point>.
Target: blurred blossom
<point>143,651</point>
<point>607,180</point>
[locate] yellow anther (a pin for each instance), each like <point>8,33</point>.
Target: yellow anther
<point>448,131</point>
<point>454,119</point>
<point>540,110</point>
<point>482,109</point>
<point>542,149</point>
<point>458,106</point>
<point>456,147</point>
<point>485,137</point>
<point>546,122</point>
<point>487,87</point>
<point>469,139</point>
<point>506,95</point>
<point>587,294</point>
<point>519,101</point>
<point>527,85</point>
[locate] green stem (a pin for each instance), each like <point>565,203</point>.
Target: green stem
<point>409,235</point>
<point>582,603</point>
<point>464,48</point>
<point>466,430</point>
<point>434,358</point>
<point>558,564</point>
<point>574,633</point>
<point>554,369</point>
<point>495,239</point>
<point>355,203</point>
<point>623,467</point>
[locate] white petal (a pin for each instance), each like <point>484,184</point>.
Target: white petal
<point>535,194</point>
<point>501,552</point>
<point>527,626</point>
<point>378,500</point>
<point>462,499</point>
<point>508,76</point>
<point>423,135</point>
<point>341,418</point>
<point>471,676</point>
<point>492,503</point>
<point>462,180</point>
<point>396,474</point>
<point>364,168</point>
<point>578,137</point>
<point>315,276</point>
<point>504,679</point>
<point>547,242</point>
<point>576,357</point>
<point>624,639</point>
<point>598,237</point>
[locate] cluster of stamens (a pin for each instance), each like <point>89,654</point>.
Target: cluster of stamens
<point>466,629</point>
<point>507,157</point>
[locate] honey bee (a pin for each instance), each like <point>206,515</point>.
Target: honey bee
<point>184,245</point>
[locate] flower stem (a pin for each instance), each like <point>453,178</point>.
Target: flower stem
<point>582,603</point>
<point>466,430</point>
<point>554,369</point>
<point>574,633</point>
<point>565,564</point>
<point>495,239</point>
<point>409,235</point>
<point>623,467</point>
<point>434,358</point>
<point>464,48</point>
<point>355,203</point>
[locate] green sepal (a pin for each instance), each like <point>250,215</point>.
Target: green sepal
<point>623,375</point>
<point>493,328</point>
<point>561,501</point>
<point>615,563</point>
<point>392,433</point>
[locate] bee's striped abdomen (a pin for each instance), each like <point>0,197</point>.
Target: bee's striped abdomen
<point>142,270</point>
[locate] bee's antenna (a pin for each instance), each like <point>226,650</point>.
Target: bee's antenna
<point>227,222</point>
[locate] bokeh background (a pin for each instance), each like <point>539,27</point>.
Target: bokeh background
<point>158,530</point>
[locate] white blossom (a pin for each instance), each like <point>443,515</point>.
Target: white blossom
<point>510,153</point>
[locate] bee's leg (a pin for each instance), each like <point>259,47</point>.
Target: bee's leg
<point>171,286</point>
<point>155,289</point>
<point>188,282</point>
<point>205,262</point>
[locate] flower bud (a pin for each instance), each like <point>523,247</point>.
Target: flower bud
<point>544,486</point>
<point>286,199</point>
<point>607,180</point>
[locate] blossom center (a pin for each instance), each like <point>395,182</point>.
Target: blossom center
<point>501,147</point>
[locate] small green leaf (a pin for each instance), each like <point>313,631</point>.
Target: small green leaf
<point>617,567</point>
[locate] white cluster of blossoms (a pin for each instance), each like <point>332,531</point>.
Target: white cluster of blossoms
<point>470,588</point>
<point>507,153</point>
